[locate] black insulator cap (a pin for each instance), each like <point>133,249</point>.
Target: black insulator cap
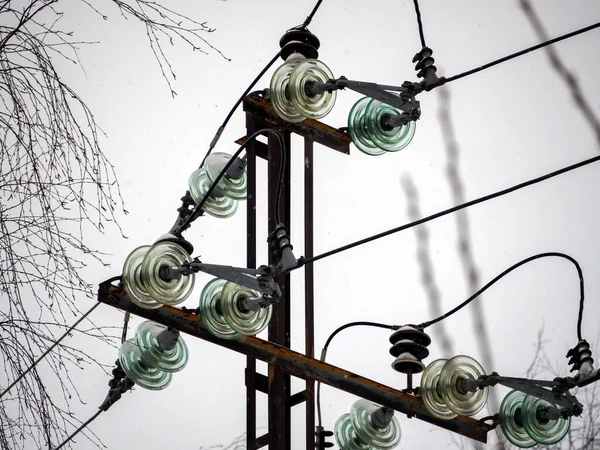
<point>299,41</point>
<point>405,346</point>
<point>411,333</point>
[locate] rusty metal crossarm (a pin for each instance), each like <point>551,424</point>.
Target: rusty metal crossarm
<point>295,363</point>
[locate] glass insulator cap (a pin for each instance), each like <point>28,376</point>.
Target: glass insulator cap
<point>228,187</point>
<point>144,376</point>
<point>146,337</point>
<point>543,430</point>
<point>459,368</point>
<point>311,106</point>
<point>165,255</point>
<point>346,437</point>
<point>359,131</point>
<point>511,420</point>
<point>388,138</point>
<point>211,312</point>
<point>280,95</point>
<point>381,438</point>
<point>431,391</point>
<point>133,281</point>
<point>217,206</point>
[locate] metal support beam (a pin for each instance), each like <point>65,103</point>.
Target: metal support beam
<point>309,295</point>
<point>309,129</point>
<point>280,414</point>
<point>296,364</point>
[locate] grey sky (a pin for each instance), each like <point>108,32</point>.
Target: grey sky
<point>513,122</point>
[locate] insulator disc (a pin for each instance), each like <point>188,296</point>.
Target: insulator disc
<point>462,367</point>
<point>381,438</point>
<point>431,391</point>
<point>144,376</point>
<point>299,41</point>
<point>248,323</point>
<point>390,139</point>
<point>132,279</point>
<point>279,92</point>
<point>311,106</point>
<point>217,206</point>
<point>406,362</point>
<point>227,187</point>
<point>152,355</point>
<point>161,256</point>
<point>346,437</point>
<point>408,346</point>
<point>511,420</point>
<point>211,313</point>
<point>359,131</point>
<point>409,332</point>
<point>543,430</point>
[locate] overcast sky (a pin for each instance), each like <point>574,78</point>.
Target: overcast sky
<point>513,122</point>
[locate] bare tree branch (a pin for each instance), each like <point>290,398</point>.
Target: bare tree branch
<point>56,185</point>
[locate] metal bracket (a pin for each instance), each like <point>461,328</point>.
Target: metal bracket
<point>558,392</point>
<point>404,101</point>
<point>259,279</point>
<point>119,384</point>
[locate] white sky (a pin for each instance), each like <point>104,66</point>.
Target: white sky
<point>513,122</point>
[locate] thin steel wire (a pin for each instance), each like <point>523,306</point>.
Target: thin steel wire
<point>49,349</point>
<point>448,211</point>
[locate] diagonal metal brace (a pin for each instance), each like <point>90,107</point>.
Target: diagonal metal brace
<point>404,101</point>
<point>552,391</point>
<point>259,279</point>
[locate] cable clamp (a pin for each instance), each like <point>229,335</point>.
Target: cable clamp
<point>427,70</point>
<point>119,384</point>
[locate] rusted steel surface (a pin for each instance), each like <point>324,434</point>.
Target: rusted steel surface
<point>308,128</point>
<point>309,288</point>
<point>296,364</point>
<point>279,409</point>
<point>251,376</point>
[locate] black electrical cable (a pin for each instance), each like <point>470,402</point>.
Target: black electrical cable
<point>522,52</point>
<point>49,349</point>
<point>324,353</point>
<point>312,14</point>
<point>214,184</point>
<point>125,326</point>
<point>83,425</point>
<point>445,212</point>
<point>509,270</point>
<point>235,106</point>
<point>421,34</point>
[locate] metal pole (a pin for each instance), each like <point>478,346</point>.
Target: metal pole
<point>309,297</point>
<point>250,374</point>
<point>280,423</point>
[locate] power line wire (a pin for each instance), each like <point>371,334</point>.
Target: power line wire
<point>522,52</point>
<point>445,212</point>
<point>509,270</point>
<point>312,14</point>
<point>235,106</point>
<point>83,425</point>
<point>213,186</point>
<point>48,350</point>
<point>326,346</point>
<point>419,23</point>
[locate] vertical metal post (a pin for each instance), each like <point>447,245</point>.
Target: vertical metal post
<point>279,329</point>
<point>250,374</point>
<point>260,114</point>
<point>309,310</point>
